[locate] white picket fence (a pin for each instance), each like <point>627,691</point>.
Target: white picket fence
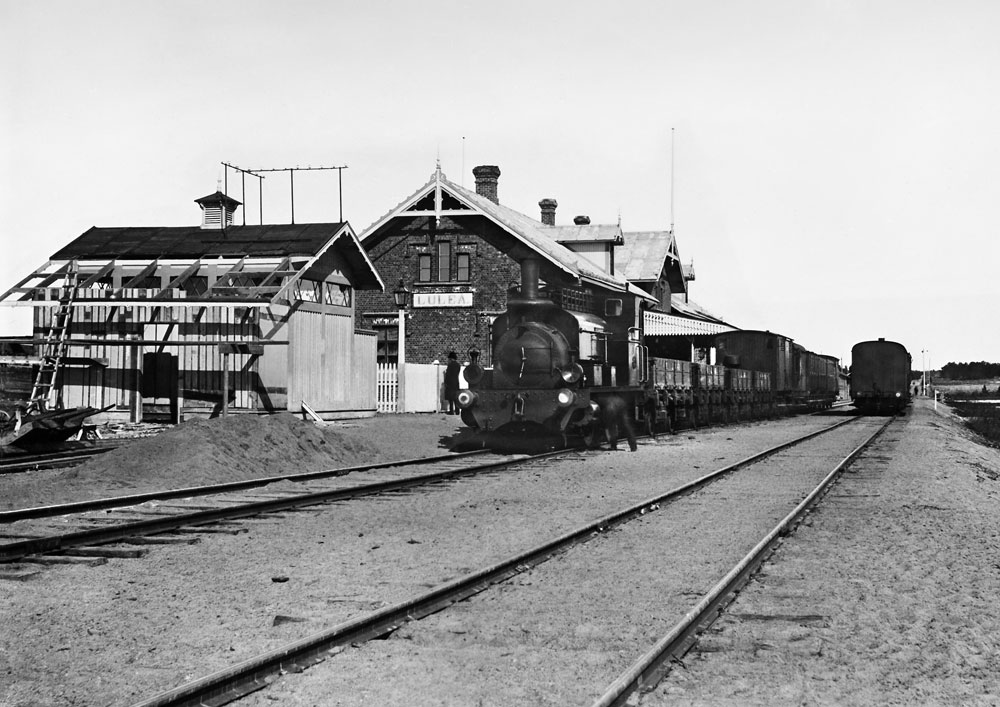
<point>387,388</point>
<point>424,384</point>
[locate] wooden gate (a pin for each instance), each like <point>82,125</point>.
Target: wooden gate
<point>387,388</point>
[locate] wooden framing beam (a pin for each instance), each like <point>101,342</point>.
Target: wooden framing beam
<point>284,268</point>
<point>142,275</point>
<point>179,280</point>
<point>47,279</point>
<point>228,274</point>
<point>105,269</point>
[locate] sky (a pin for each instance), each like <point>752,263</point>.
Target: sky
<point>831,168</point>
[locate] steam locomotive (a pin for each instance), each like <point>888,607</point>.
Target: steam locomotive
<point>880,376</point>
<point>560,361</point>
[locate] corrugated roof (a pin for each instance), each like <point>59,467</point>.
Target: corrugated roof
<point>687,308</point>
<point>147,242</point>
<point>597,232</point>
<point>642,255</point>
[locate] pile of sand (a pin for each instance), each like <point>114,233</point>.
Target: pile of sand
<point>229,449</point>
<point>195,453</point>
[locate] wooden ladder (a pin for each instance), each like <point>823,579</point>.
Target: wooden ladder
<point>54,347</point>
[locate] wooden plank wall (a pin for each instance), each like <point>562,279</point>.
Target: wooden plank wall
<point>328,369</point>
<point>363,385</point>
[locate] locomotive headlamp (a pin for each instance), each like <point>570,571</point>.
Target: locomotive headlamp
<point>565,397</point>
<point>898,394</point>
<point>466,399</point>
<point>572,373</point>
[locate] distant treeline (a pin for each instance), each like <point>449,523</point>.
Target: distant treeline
<point>970,371</point>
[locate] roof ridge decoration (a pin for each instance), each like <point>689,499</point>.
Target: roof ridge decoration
<point>438,176</point>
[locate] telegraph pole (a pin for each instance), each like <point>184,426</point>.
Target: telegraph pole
<point>243,195</point>
<point>291,179</point>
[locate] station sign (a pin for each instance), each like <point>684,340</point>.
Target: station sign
<point>442,299</point>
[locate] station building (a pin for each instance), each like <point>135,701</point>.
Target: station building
<point>456,253</point>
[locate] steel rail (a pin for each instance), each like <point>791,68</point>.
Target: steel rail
<point>192,491</point>
<point>114,533</point>
<point>236,681</point>
<point>30,462</point>
<point>646,672</point>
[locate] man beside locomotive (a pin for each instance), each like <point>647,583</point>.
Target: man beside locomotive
<point>614,415</point>
<point>451,373</point>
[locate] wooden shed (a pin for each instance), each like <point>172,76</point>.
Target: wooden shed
<point>176,321</point>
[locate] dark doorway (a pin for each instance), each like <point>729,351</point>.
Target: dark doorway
<point>159,387</point>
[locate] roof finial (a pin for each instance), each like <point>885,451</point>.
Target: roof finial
<point>671,180</point>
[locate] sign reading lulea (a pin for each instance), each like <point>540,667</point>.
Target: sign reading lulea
<point>442,299</point>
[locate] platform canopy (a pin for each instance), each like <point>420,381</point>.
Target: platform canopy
<point>662,324</point>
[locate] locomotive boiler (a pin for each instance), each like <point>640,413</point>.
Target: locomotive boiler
<point>546,361</point>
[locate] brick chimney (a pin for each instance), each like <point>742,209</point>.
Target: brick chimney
<point>581,220</point>
<point>486,181</point>
<point>548,207</point>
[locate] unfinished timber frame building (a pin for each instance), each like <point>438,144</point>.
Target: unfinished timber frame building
<point>193,320</point>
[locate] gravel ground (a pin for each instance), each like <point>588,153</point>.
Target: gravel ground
<point>111,634</point>
<point>888,596</point>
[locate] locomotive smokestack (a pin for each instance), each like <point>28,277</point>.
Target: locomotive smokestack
<point>529,279</point>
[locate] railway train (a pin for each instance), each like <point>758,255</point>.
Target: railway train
<point>559,366</point>
<point>880,377</point>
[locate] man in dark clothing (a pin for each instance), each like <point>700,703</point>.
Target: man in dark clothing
<point>451,373</point>
<point>614,414</point>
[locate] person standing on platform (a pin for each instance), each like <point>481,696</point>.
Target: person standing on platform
<point>451,373</point>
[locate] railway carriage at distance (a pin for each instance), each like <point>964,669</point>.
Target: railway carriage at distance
<point>800,379</point>
<point>880,377</point>
<point>559,371</point>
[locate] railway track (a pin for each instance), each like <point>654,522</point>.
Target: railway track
<point>17,463</point>
<point>646,672</point>
<point>83,526</point>
<point>251,675</point>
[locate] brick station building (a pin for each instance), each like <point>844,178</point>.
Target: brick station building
<point>457,251</point>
